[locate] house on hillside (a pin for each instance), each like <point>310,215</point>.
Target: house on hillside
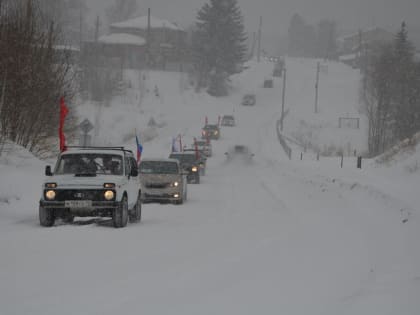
<point>133,44</point>
<point>352,47</point>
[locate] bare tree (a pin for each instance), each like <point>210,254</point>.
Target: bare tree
<point>36,74</point>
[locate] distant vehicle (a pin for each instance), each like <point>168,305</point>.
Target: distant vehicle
<point>201,158</point>
<point>163,180</point>
<point>190,164</point>
<point>239,151</point>
<point>203,145</point>
<point>210,132</point>
<point>249,100</point>
<point>228,120</point>
<point>92,181</point>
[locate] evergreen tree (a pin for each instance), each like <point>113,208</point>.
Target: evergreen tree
<point>327,39</point>
<point>403,87</point>
<point>121,10</point>
<point>218,44</point>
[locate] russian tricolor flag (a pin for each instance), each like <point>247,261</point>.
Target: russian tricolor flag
<point>139,149</point>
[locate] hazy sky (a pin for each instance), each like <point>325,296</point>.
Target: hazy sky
<point>349,14</point>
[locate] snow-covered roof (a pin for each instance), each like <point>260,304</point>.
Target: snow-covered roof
<point>141,23</point>
<point>347,57</point>
<point>122,39</point>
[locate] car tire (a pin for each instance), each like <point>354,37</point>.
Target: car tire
<point>135,213</point>
<point>197,179</point>
<point>120,215</point>
<point>46,216</point>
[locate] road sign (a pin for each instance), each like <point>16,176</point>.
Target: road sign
<point>86,126</point>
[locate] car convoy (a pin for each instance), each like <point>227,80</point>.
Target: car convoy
<point>108,182</point>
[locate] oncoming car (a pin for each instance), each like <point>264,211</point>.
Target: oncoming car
<point>92,181</point>
<point>163,180</point>
<point>239,151</point>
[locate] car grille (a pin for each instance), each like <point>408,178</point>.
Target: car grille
<point>157,185</point>
<point>73,194</point>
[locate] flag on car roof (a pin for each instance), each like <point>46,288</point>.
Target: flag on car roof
<point>139,149</point>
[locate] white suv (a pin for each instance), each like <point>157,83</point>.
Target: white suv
<point>92,181</point>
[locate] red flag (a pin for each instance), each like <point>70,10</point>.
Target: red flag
<point>63,113</point>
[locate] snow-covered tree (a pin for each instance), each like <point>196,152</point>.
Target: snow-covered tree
<point>218,43</point>
<point>34,74</point>
<point>403,87</point>
<point>391,93</point>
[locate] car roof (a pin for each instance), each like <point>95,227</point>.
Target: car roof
<point>95,151</point>
<point>159,160</point>
<point>227,116</point>
<point>183,153</point>
<point>211,126</point>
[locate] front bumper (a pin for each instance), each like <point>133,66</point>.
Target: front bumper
<point>96,205</point>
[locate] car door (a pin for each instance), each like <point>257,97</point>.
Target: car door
<point>133,183</point>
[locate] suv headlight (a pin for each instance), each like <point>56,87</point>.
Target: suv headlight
<point>50,194</point>
<point>194,168</point>
<point>109,195</point>
<point>175,184</point>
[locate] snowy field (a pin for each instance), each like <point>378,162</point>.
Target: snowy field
<point>272,236</point>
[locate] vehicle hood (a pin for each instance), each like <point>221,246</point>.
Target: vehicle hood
<point>71,181</point>
<point>159,178</point>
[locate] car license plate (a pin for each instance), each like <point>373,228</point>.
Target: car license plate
<point>78,203</point>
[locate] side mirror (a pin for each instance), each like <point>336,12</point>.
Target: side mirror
<point>48,171</point>
<point>134,172</point>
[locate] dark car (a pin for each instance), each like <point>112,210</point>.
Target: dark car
<point>201,158</point>
<point>228,120</point>
<point>249,100</point>
<point>210,132</point>
<point>189,163</point>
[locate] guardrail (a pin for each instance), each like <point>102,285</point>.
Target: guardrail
<point>283,143</point>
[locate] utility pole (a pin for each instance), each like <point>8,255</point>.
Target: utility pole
<point>283,98</point>
<point>80,25</point>
<point>259,40</point>
<point>316,87</point>
<point>97,29</point>
<point>254,38</point>
<point>148,39</point>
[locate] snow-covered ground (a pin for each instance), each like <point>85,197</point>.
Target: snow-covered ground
<point>274,236</point>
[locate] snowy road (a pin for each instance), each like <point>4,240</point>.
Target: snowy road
<point>267,237</point>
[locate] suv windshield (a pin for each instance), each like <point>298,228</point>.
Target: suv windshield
<point>184,158</point>
<point>211,127</point>
<point>158,167</point>
<point>89,163</point>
